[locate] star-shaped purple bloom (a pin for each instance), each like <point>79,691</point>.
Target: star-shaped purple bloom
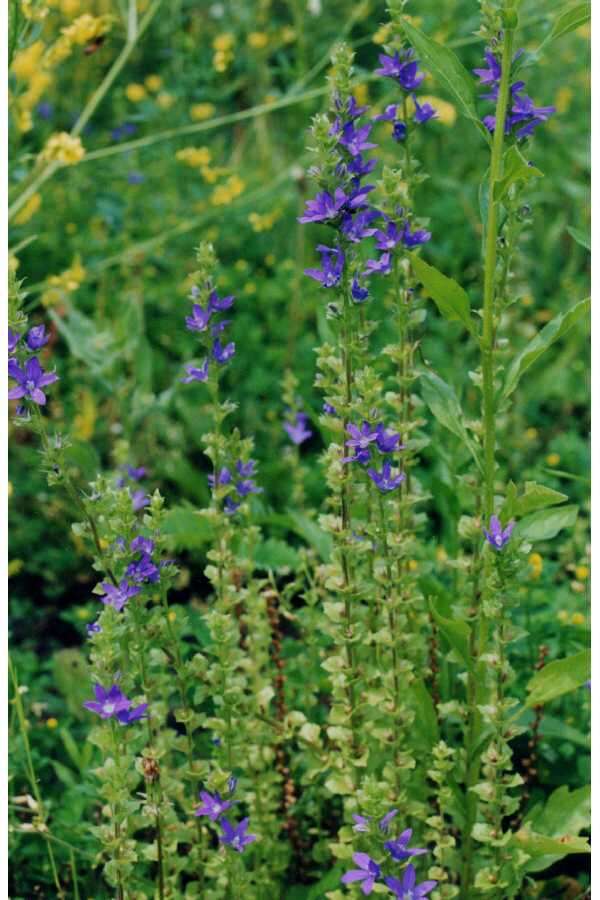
<point>139,500</point>
<point>236,838</point>
<point>355,139</point>
<point>199,319</point>
<point>219,304</point>
<point>423,112</point>
<point>246,487</point>
<point>399,131</point>
<point>493,73</point>
<point>324,207</point>
<point>414,238</point>
<point>143,570</point>
<point>223,477</point>
<point>109,701</point>
<point>361,823</point>
<point>389,237</point>
<point>360,441</point>
<point>136,473</point>
<point>13,339</point>
<point>388,115</point>
<point>37,337</point>
<point>384,480</point>
<point>368,872</point>
<point>387,441</point>
<point>127,716</point>
<point>142,544</point>
<point>297,431</point>
<point>384,823</point>
<point>196,374</point>
<point>496,537</point>
<point>358,291</point>
<point>360,167</point>
<point>213,805</point>
<point>246,469</point>
<point>117,596</point>
<point>356,228</point>
<point>408,889</point>
<point>381,266</point>
<point>30,380</point>
<point>222,354</point>
<point>93,628</point>
<point>399,849</point>
<point>332,262</point>
<point>230,506</point>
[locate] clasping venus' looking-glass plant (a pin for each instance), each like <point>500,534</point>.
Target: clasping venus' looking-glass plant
<point>331,699</point>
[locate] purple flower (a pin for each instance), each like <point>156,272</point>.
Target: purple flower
<point>351,110</point>
<point>324,207</point>
<point>388,115</point>
<point>223,477</point>
<point>230,507</point>
<point>143,570</point>
<point>384,480</point>
<point>44,110</point>
<point>236,838</point>
<point>121,131</point>
<point>404,69</point>
<point>199,319</point>
<point>408,889</point>
<point>117,596</point>
<point>141,544</point>
<point>381,266</point>
<point>423,112</point>
<point>246,470</point>
<point>387,441</point>
<point>127,716</point>
<point>357,227</point>
<point>218,327</point>
<point>332,262</point>
<point>360,441</point>
<point>361,823</point>
<point>359,293</point>
<point>109,701</point>
<point>496,537</point>
<point>358,197</point>
<point>135,177</point>
<point>384,823</point>
<point>136,474</point>
<point>329,410</point>
<point>414,238</point>
<point>246,487</point>
<point>195,374</point>
<point>355,139</point>
<point>360,167</point>
<point>391,66</point>
<point>232,784</point>
<point>139,500</point>
<point>493,73</point>
<point>222,354</point>
<point>387,239</point>
<point>30,380</point>
<point>13,340</point>
<point>399,849</point>
<point>219,304</point>
<point>93,628</point>
<point>524,110</point>
<point>297,431</point>
<point>399,131</point>
<point>368,872</point>
<point>213,805</point>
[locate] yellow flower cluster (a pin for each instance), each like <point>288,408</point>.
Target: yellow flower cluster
<point>196,157</point>
<point>86,28</point>
<point>263,222</point>
<point>34,10</point>
<point>59,286</point>
<point>575,619</point>
<point>27,67</point>
<point>153,83</point>
<point>258,40</point>
<point>228,191</point>
<point>201,111</point>
<point>537,564</point>
<point>135,92</point>
<point>223,47</point>
<point>553,459</point>
<point>63,148</point>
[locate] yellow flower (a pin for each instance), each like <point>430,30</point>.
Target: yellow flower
<point>263,222</point>
<point>441,554</point>
<point>70,7</point>
<point>249,288</point>
<point>578,619</point>
<point>527,300</point>
<point>172,615</point>
<point>221,60</point>
<point>153,83</point>
<point>543,315</point>
<point>24,120</point>
<point>85,420</point>
<point>29,210</point>
<point>382,34</point>
<point>563,98</point>
<point>537,564</point>
<point>288,34</point>
<point>165,100</point>
<point>135,92</point>
<point>228,191</point>
<point>223,42</point>
<point>59,51</point>
<point>51,722</point>
<point>201,111</point>
<point>26,62</point>
<point>258,40</point>
<point>196,157</point>
<point>361,92</point>
<point>582,573</point>
<point>61,285</point>
<point>86,28</point>
<point>63,148</point>
<point>563,615</point>
<point>531,434</point>
<point>33,12</point>
<point>413,565</point>
<point>553,459</point>
<point>14,567</point>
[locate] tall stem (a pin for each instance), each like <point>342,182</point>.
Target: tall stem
<point>476,676</point>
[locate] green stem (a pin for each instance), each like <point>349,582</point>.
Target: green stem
<point>120,886</point>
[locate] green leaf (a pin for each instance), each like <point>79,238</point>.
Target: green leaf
<point>582,237</point>
<point>312,534</point>
<point>95,348</point>
<point>549,334</point>
<point>448,71</point>
<point>516,168</point>
<point>559,677</point>
<point>188,530</point>
<point>456,632</point>
<point>450,298</point>
<point>550,849</point>
<point>276,554</point>
<point>444,405</point>
<point>546,523</point>
<point>426,722</point>
<point>573,17</point>
<point>536,496</point>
